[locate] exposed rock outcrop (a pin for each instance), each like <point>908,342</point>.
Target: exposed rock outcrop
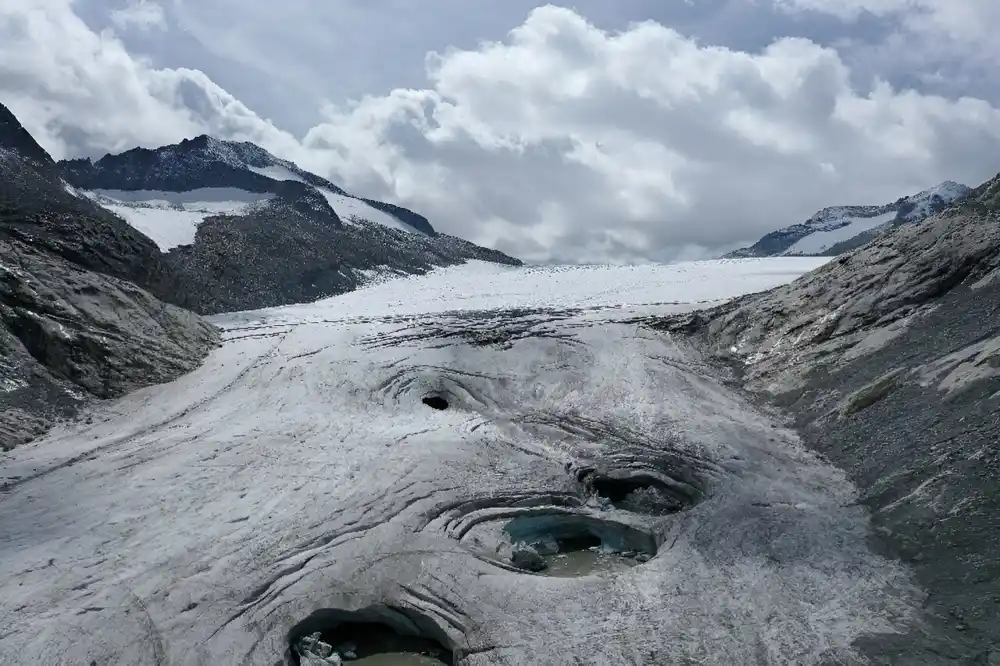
<point>39,210</point>
<point>69,334</point>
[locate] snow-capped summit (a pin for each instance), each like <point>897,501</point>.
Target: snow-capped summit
<point>245,229</point>
<point>207,162</point>
<point>203,161</point>
<point>931,201</point>
<point>838,229</point>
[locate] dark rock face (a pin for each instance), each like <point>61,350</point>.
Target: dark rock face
<point>73,323</point>
<point>193,163</point>
<point>37,210</point>
<point>888,360</point>
<point>16,139</point>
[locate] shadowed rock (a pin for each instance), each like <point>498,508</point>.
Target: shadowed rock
<point>347,636</point>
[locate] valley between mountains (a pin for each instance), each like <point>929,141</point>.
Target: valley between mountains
<point>252,419</point>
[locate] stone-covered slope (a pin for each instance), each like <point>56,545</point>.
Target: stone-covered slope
<point>38,209</point>
<point>888,360</point>
<point>879,288</point>
<point>278,254</point>
<point>74,325</point>
<point>68,334</point>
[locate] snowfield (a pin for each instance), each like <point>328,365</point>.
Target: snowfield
<point>277,172</point>
<point>349,208</point>
<point>346,207</point>
<point>819,241</point>
<point>172,218</point>
<point>212,519</point>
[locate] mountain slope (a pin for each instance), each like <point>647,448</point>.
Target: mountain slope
<point>833,231</point>
<point>276,255</point>
<point>244,229</point>
<point>73,323</point>
<point>38,209</point>
<point>888,359</point>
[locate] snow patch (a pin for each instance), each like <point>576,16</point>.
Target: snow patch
<point>277,172</point>
<point>72,190</point>
<point>848,228</point>
<point>9,384</point>
<point>167,228</point>
<point>171,219</point>
<point>379,274</point>
<point>349,209</point>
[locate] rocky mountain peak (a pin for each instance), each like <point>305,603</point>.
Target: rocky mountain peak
<point>14,138</point>
<point>240,154</point>
<point>199,162</point>
<point>208,162</point>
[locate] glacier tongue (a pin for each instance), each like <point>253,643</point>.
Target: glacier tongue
<point>298,483</point>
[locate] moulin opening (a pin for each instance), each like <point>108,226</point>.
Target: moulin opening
<point>435,402</point>
<point>641,493</point>
<point>565,544</point>
<point>379,636</point>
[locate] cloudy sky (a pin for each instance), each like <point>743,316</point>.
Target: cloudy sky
<point>596,130</point>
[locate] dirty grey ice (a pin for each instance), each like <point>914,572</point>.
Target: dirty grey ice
<point>488,486</point>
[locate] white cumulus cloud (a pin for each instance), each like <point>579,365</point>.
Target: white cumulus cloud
<point>560,142</point>
<point>949,43</point>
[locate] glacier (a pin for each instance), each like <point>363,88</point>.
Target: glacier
<point>299,481</point>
